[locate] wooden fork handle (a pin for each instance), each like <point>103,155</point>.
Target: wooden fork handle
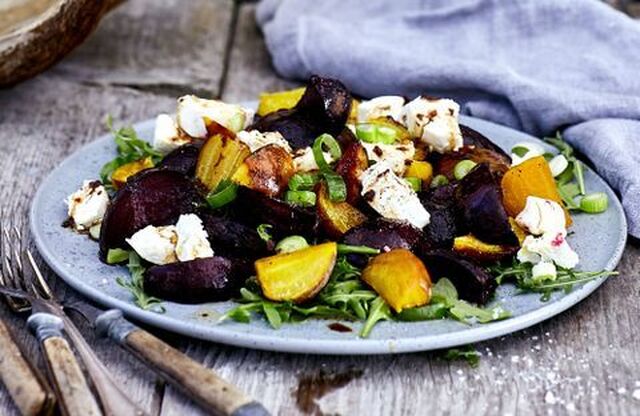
<point>30,395</point>
<point>200,383</point>
<point>74,395</point>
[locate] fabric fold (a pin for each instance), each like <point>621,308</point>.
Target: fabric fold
<point>534,65</point>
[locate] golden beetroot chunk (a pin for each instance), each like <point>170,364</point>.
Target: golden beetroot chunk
<point>400,278</point>
<point>296,276</point>
<point>336,218</point>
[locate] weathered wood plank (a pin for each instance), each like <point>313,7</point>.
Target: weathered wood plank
<point>168,46</point>
<point>41,122</point>
<point>249,70</point>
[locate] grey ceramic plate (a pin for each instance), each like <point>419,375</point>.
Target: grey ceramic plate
<point>599,240</point>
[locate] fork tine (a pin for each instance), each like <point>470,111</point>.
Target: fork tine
<point>42,285</point>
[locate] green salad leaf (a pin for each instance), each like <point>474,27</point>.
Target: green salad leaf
<point>135,285</point>
<point>129,147</point>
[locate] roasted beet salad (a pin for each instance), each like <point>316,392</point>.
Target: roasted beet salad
<point>322,206</point>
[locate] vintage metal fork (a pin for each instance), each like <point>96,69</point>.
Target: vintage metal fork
<point>30,290</point>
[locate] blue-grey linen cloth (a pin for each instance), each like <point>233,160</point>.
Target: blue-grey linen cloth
<point>534,65</point>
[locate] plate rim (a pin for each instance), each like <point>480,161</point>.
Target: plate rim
<point>352,346</point>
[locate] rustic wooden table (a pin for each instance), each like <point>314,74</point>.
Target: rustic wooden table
<point>585,361</point>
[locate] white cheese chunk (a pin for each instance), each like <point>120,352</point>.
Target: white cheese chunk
<point>558,164</point>
<point>194,112</point>
<point>527,150</point>
<point>391,196</point>
<point>545,270</point>
<point>379,107</point>
<point>550,247</point>
<point>87,206</point>
<point>541,216</point>
<point>304,161</point>
<point>395,155</point>
<point>156,245</point>
<point>192,242</point>
<point>256,140</point>
<point>435,122</point>
<point>166,136</point>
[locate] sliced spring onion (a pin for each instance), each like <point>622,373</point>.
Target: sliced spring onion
<point>376,133</point>
<point>462,168</point>
<point>291,243</point>
<point>303,181</point>
<point>579,174</point>
<point>264,231</point>
<point>349,249</point>
<point>439,180</point>
<point>117,255</point>
<point>224,194</point>
<point>520,151</point>
<point>415,183</point>
<point>336,187</point>
<point>332,146</point>
<point>301,198</point>
<point>594,203</point>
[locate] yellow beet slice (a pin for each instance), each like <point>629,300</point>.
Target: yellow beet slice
<point>337,217</point>
<point>471,247</point>
<point>420,169</point>
<point>219,158</point>
<point>296,276</point>
<point>281,100</point>
<point>530,178</point>
<point>400,278</point>
<point>119,176</point>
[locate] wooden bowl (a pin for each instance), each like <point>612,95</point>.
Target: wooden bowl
<point>35,34</point>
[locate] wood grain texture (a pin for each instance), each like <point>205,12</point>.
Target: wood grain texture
<point>24,386</point>
<point>169,46</point>
<point>76,398</point>
<point>584,361</point>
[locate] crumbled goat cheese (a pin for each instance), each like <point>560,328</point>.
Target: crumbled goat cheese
<point>156,245</point>
<point>166,136</point>
<point>380,107</point>
<point>548,247</point>
<point>87,206</point>
<point>540,216</point>
<point>194,113</point>
<point>391,196</point>
<point>435,122</point>
<point>256,140</point>
<point>193,240</point>
<point>398,156</point>
<point>545,270</point>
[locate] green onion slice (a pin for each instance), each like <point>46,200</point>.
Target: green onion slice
<point>291,243</point>
<point>300,198</point>
<point>462,168</point>
<point>117,255</point>
<point>594,203</point>
<point>303,181</point>
<point>224,194</point>
<point>520,151</point>
<point>336,187</point>
<point>415,183</point>
<point>333,147</point>
<point>376,133</point>
<point>349,249</point>
<point>439,180</point>
<point>264,231</point>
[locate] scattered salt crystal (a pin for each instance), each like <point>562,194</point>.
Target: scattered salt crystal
<point>534,338</point>
<point>622,390</point>
<point>571,407</point>
<point>460,372</point>
<point>636,394</point>
<point>515,359</point>
<point>549,398</point>
<point>537,347</point>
